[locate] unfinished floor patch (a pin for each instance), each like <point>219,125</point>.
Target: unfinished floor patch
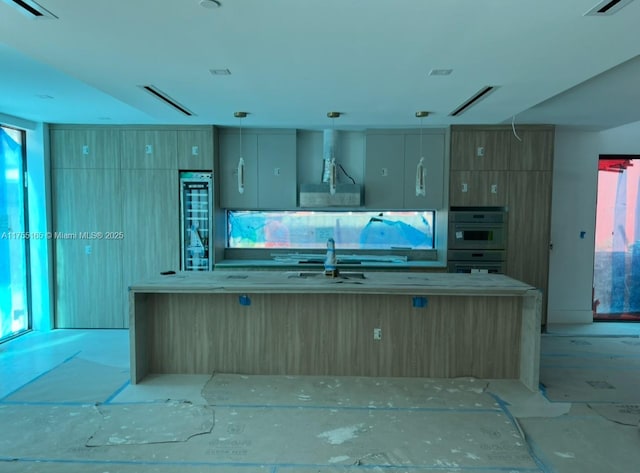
<point>600,347</point>
<point>46,431</point>
<point>77,380</point>
<point>585,444</point>
<point>373,438</point>
<point>321,391</point>
<point>124,467</point>
<point>625,414</point>
<point>578,381</point>
<point>154,388</point>
<point>172,421</point>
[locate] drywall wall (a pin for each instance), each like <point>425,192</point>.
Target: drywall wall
<point>41,250</point>
<point>575,181</point>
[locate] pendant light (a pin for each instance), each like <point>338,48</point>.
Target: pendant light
<point>333,177</point>
<point>240,116</point>
<point>421,170</point>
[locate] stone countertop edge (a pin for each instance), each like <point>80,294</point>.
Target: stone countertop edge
<point>375,282</point>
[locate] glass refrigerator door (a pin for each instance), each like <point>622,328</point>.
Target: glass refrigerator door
<point>195,221</point>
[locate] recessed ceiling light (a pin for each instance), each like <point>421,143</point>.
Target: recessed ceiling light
<point>220,72</point>
<point>440,72</point>
<point>210,3</point>
<point>44,96</point>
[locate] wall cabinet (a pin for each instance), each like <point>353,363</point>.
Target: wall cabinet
<point>269,169</point>
<point>479,149</point>
<point>478,188</point>
<point>149,149</point>
<point>85,148</point>
<point>384,171</point>
<point>391,162</point>
<point>195,149</point>
<point>534,152</point>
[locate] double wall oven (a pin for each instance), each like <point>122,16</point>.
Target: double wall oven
<point>477,240</point>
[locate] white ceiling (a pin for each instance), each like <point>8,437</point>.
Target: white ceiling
<point>292,61</point>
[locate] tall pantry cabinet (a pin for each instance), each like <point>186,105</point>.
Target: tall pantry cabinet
<point>86,203</point>
<point>115,211</point>
<point>492,167</point>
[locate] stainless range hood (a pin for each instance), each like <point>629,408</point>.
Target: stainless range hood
<point>320,195</point>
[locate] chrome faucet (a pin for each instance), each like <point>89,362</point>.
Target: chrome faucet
<point>330,261</point>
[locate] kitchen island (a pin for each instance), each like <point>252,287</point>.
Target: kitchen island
<point>436,325</point>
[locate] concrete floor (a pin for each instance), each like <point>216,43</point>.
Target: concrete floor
<point>66,405</point>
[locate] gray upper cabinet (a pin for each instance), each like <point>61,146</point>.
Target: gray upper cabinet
<point>277,171</point>
<point>391,165</point>
<point>384,171</point>
<point>149,149</point>
<point>269,169</point>
<point>195,149</point>
<point>433,153</point>
<point>231,196</point>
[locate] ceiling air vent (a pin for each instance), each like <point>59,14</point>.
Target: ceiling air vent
<point>167,100</point>
<point>31,9</point>
<point>482,93</point>
<point>607,7</point>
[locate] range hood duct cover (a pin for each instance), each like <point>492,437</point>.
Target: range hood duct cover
<point>329,140</point>
<point>319,195</point>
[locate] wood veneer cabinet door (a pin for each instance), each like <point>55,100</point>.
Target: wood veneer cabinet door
<point>150,225</point>
<point>478,188</point>
<point>534,152</point>
<point>87,221</point>
<point>529,229</point>
<point>85,148</point>
<point>465,142</point>
<point>195,149</point>
<point>149,149</point>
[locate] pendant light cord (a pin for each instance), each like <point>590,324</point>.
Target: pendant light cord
<point>240,136</point>
<point>421,137</point>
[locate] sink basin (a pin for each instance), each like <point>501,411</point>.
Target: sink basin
<point>320,274</point>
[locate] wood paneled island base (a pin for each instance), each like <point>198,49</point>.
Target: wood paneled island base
<point>431,324</point>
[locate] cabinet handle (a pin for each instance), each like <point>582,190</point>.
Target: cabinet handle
<point>465,187</point>
<point>494,188</point>
<point>421,177</point>
<point>241,176</point>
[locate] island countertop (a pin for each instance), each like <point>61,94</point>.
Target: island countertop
<point>315,282</point>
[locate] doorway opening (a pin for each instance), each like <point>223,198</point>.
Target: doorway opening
<point>616,274</point>
<point>14,236</point>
